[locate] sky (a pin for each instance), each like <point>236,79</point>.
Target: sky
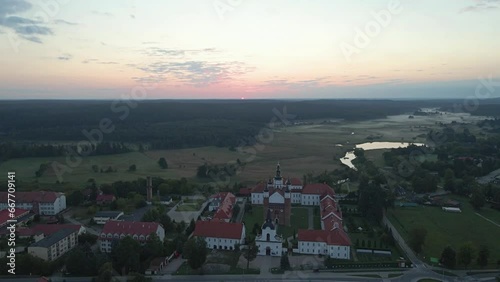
<point>248,49</point>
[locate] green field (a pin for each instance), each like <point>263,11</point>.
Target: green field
<point>299,220</point>
<point>187,208</point>
<point>447,228</point>
<point>300,149</point>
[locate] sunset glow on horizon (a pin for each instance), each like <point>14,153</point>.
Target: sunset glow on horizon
<point>247,49</point>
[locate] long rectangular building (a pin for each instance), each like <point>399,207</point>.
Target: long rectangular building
<point>52,247</point>
<point>113,231</point>
<point>40,202</point>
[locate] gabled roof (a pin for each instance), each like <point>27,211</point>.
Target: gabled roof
<point>54,238</point>
<point>5,215</point>
<point>318,189</point>
<point>105,197</point>
<point>225,210</point>
<point>335,237</point>
<point>245,191</point>
<point>47,229</point>
<point>130,228</point>
<point>295,181</point>
<point>259,188</point>
<point>218,229</point>
<point>30,197</point>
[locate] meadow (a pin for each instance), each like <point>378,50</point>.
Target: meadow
<point>300,149</point>
<point>447,228</point>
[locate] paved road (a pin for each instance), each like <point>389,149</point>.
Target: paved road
<point>408,251</point>
<point>411,275</point>
<point>239,218</point>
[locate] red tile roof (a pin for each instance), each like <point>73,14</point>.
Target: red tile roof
<point>318,189</point>
<point>295,181</point>
<point>29,197</point>
<point>225,210</point>
<point>259,188</point>
<point>105,198</point>
<point>5,215</point>
<point>336,237</point>
<point>245,191</point>
<point>218,229</point>
<point>47,229</point>
<point>130,228</point>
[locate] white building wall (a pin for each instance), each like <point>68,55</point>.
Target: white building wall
<point>275,247</point>
<point>222,243</point>
<point>257,198</point>
<point>310,200</point>
<point>338,252</point>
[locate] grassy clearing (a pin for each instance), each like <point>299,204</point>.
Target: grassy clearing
<point>300,149</point>
<point>253,217</point>
<point>299,220</point>
<point>187,208</point>
<point>454,229</point>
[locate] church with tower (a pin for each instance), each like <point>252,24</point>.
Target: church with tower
<point>277,199</point>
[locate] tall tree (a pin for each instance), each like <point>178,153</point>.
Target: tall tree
<point>126,255</point>
<point>417,239</point>
<point>477,200</point>
<point>284,262</point>
<point>105,272</point>
<point>465,254</point>
<point>482,256</point>
<point>448,257</point>
<point>163,163</point>
<point>153,246</point>
<point>449,180</point>
<point>195,249</point>
<point>250,253</point>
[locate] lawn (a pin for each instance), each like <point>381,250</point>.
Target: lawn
<point>253,217</point>
<point>187,207</point>
<point>299,220</point>
<point>446,228</point>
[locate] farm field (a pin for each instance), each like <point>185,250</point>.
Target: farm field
<point>447,228</point>
<point>300,149</point>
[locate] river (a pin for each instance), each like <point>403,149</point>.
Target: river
<point>349,156</point>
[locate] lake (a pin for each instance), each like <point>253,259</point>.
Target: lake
<point>349,156</point>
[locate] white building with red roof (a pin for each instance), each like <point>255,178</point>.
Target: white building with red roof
<point>40,202</point>
<point>332,240</point>
<point>222,203</point>
<point>113,231</point>
<point>220,234</point>
<point>19,215</point>
<point>305,195</point>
